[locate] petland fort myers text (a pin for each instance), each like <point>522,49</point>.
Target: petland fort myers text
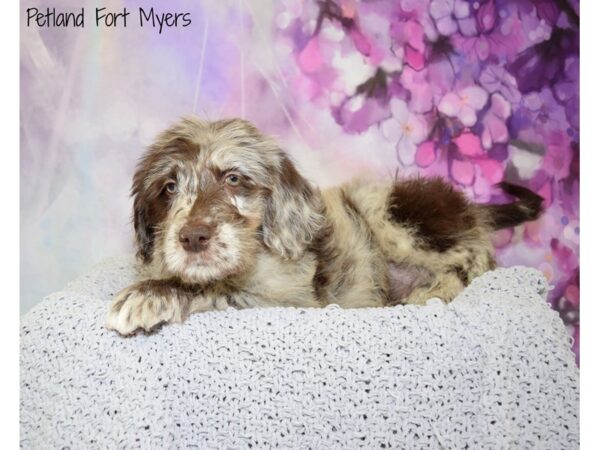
<point>103,17</point>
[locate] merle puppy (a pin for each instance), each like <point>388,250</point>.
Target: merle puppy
<point>223,218</point>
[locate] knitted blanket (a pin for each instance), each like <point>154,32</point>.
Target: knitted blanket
<point>493,369</point>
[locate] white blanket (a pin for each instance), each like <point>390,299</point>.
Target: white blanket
<point>493,369</point>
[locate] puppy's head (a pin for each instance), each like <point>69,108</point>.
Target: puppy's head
<point>208,195</point>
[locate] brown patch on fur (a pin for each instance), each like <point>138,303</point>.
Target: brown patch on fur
<point>163,288</point>
<point>151,203</point>
<point>462,274</point>
<point>214,201</point>
<point>326,253</point>
<point>293,181</point>
<point>292,216</point>
<point>437,213</point>
<point>149,209</point>
<point>118,304</point>
<point>345,263</point>
<point>491,262</point>
<point>167,289</point>
<point>351,209</point>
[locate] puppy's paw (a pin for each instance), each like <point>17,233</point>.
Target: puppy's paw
<point>138,307</point>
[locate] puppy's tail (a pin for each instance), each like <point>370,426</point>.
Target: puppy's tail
<point>527,207</point>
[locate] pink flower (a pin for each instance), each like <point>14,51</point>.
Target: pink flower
<point>413,34</point>
<point>489,171</point>
<point>361,42</point>
<point>310,59</point>
<point>468,144</point>
<point>406,129</point>
<point>348,8</point>
<point>421,98</point>
<point>409,35</point>
<point>414,59</point>
<point>425,154</point>
<point>411,5</point>
<point>462,172</point>
<point>557,160</point>
<point>494,122</point>
<point>464,105</point>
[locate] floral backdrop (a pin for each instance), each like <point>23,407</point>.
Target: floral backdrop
<point>474,91</point>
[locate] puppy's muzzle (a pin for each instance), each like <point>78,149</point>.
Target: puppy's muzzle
<point>195,237</point>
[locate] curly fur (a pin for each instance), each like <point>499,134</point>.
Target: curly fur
<point>271,239</point>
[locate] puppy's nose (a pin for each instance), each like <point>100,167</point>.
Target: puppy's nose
<point>194,238</point>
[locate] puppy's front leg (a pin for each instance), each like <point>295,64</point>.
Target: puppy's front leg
<point>150,303</point>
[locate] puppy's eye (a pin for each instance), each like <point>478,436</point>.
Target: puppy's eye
<point>233,179</point>
<point>171,188</point>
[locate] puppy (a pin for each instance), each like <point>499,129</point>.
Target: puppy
<point>223,218</point>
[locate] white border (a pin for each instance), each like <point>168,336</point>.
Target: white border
<point>590,225</point>
<point>9,234</point>
<point>590,150</point>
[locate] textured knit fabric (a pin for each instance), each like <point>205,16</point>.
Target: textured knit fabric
<point>493,369</point>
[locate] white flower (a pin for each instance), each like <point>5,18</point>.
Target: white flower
<point>406,129</point>
<point>450,15</point>
<point>464,105</point>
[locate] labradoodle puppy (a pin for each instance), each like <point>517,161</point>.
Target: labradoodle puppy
<point>223,218</point>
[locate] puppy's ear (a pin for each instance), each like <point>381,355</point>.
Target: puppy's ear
<point>142,212</point>
<point>293,213</point>
<point>143,231</point>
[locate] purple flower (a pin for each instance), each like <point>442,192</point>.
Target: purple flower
<point>566,91</point>
<point>495,78</point>
<point>486,17</point>
<point>547,10</point>
<point>357,114</point>
<point>542,64</point>
<point>494,122</point>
